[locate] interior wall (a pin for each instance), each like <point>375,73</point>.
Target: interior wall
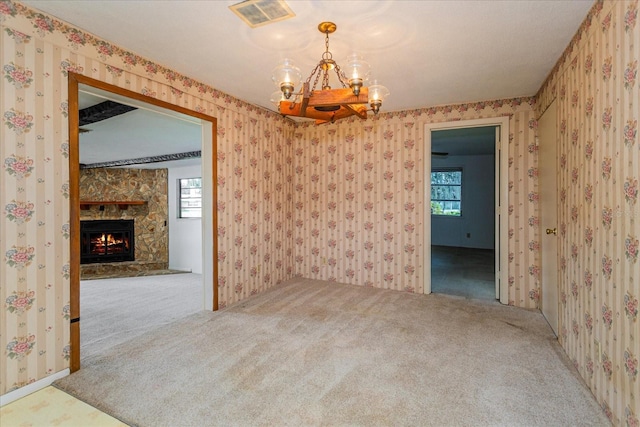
<point>359,198</point>
<point>600,293</point>
<point>185,234</point>
<point>595,84</point>
<point>253,181</point>
<point>475,228</point>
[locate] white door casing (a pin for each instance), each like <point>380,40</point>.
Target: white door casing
<point>547,173</point>
<point>498,155</point>
<point>501,180</point>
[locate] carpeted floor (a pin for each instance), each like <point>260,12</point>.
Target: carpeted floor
<point>316,353</point>
<point>114,311</point>
<point>464,272</point>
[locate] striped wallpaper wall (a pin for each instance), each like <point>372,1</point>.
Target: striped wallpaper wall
<point>340,202</point>
<point>254,180</point>
<point>359,198</point>
<point>595,86</point>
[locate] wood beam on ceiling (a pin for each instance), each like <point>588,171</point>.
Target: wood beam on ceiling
<point>102,111</point>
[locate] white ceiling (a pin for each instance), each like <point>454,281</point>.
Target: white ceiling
<point>427,52</point>
<point>146,132</point>
<point>476,141</point>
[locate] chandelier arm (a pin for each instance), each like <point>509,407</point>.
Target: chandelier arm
<point>325,79</point>
<point>359,110</point>
<point>315,72</point>
<point>306,94</point>
<point>341,77</point>
<point>294,101</point>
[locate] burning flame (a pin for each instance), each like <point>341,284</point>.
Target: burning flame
<point>107,242</point>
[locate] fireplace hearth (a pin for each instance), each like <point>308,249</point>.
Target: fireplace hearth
<point>106,241</point>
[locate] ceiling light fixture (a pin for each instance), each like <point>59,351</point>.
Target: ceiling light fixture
<point>327,105</point>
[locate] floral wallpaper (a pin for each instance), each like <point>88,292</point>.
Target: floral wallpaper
<point>254,180</point>
<point>359,198</point>
<point>339,202</point>
<point>595,86</point>
<point>254,206</point>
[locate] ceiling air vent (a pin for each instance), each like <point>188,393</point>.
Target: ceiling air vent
<point>261,12</point>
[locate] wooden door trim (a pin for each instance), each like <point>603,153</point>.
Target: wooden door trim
<point>74,80</point>
<point>74,222</point>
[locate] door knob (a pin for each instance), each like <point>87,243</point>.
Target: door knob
<point>552,231</point>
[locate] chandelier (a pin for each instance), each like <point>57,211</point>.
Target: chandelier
<point>327,104</point>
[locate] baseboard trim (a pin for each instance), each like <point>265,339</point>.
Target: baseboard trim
<point>32,388</point>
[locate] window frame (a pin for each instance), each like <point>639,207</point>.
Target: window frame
<point>461,185</point>
<point>180,198</point>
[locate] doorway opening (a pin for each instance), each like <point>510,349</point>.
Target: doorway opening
<point>81,90</point>
<point>466,220</point>
<point>462,212</point>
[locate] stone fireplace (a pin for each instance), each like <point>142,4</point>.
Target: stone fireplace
<point>139,196</point>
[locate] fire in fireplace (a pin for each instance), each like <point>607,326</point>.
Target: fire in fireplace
<point>106,241</point>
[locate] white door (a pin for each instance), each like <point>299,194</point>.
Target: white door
<point>547,169</point>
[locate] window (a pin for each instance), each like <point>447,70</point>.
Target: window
<point>446,192</point>
<point>190,198</point>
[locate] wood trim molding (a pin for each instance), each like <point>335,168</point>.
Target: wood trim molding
<point>74,221</point>
<point>74,81</point>
<point>80,79</point>
<point>102,111</point>
<point>122,204</point>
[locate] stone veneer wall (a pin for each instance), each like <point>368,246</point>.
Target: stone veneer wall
<point>151,230</point>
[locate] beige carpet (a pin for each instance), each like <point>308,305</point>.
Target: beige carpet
<point>316,353</point>
<point>113,311</point>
